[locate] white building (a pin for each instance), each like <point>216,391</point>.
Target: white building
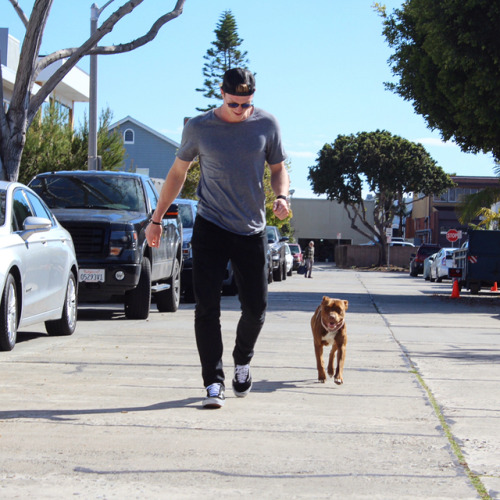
<point>73,88</point>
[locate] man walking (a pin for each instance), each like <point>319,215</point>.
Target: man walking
<point>309,259</point>
<point>233,143</point>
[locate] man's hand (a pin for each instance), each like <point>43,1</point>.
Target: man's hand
<point>280,208</point>
<point>153,234</point>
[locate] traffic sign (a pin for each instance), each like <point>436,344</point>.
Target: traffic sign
<point>452,235</point>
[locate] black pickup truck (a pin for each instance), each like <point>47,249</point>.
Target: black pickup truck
<point>107,214</point>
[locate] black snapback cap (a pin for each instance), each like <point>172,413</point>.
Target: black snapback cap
<point>238,81</point>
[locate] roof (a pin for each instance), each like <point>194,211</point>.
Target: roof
<point>137,123</point>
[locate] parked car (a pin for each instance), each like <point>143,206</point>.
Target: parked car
<point>289,260</point>
<point>38,267</point>
<point>107,214</point>
<point>277,245</point>
<point>417,260</point>
<point>269,263</point>
<point>401,244</point>
<point>426,274</point>
<point>187,211</point>
<point>297,255</point>
<point>441,263</point>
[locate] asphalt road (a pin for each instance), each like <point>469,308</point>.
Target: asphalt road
<point>113,412</point>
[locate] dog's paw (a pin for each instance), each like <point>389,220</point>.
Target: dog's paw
<point>338,381</point>
<point>321,380</point>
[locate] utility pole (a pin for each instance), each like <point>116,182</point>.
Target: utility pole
<point>94,161</point>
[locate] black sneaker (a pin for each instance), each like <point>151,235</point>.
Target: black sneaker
<point>215,396</point>
<point>242,381</point>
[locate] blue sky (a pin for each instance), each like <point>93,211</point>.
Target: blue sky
<point>320,68</point>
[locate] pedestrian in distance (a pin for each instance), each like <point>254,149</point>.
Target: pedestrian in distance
<point>233,143</point>
<point>309,259</point>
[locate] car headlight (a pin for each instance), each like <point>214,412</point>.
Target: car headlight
<point>120,240</point>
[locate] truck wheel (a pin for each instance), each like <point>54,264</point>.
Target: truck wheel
<point>67,324</point>
<point>8,315</point>
<point>474,288</point>
<point>138,300</point>
<point>168,300</point>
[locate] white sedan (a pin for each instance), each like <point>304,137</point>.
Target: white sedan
<point>38,267</point>
<point>288,260</point>
<point>443,260</point>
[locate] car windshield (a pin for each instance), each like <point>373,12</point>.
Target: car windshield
<point>2,206</point>
<point>427,251</point>
<point>97,192</point>
<point>186,215</point>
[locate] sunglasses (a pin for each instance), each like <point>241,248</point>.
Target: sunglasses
<point>235,105</point>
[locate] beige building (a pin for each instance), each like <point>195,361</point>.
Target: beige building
<point>326,223</point>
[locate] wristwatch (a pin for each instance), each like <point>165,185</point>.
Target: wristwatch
<point>282,197</point>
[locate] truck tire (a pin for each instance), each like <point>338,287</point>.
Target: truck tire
<point>168,300</point>
<point>66,325</point>
<point>474,288</point>
<point>138,300</point>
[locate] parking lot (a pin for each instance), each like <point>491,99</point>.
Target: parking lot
<point>114,410</point>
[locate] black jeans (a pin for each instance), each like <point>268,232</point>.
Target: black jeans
<point>212,249</point>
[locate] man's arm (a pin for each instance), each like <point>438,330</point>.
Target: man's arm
<point>280,182</point>
<point>171,188</point>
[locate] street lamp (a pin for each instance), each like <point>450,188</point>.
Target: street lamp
<point>94,161</point>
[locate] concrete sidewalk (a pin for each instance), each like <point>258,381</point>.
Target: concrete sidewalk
<point>114,411</point>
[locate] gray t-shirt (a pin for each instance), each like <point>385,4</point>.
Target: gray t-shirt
<point>232,160</point>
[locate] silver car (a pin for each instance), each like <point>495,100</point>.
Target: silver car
<point>38,267</point>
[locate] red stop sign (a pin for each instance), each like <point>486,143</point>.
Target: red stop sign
<point>452,235</point>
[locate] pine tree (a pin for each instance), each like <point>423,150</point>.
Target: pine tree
<point>222,56</point>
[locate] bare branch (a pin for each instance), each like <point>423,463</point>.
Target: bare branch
<point>89,48</point>
<point>106,28</point>
<point>20,12</point>
<point>143,40</point>
<point>25,76</point>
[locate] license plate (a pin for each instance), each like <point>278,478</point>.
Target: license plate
<point>91,275</point>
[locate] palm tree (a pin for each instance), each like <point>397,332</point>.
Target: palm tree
<point>481,205</point>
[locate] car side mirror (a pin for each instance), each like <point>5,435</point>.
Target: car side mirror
<point>172,212</point>
<point>34,225</point>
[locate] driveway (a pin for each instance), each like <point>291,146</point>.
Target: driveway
<point>114,410</point>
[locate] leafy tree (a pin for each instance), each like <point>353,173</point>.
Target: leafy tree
<point>24,105</point>
<point>109,145</point>
<point>224,55</point>
<point>447,59</point>
<point>48,143</point>
<point>52,145</point>
<point>192,181</point>
<point>389,165</point>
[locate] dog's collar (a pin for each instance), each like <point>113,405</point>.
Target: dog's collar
<point>335,329</point>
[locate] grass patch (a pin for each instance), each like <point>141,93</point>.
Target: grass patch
<point>474,479</point>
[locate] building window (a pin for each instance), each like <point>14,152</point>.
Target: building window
<point>128,136</point>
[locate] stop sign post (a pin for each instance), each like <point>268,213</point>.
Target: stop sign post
<point>453,235</point>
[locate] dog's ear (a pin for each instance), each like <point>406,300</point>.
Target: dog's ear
<point>325,298</point>
<point>346,304</point>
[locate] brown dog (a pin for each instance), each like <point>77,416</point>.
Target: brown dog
<point>328,328</point>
